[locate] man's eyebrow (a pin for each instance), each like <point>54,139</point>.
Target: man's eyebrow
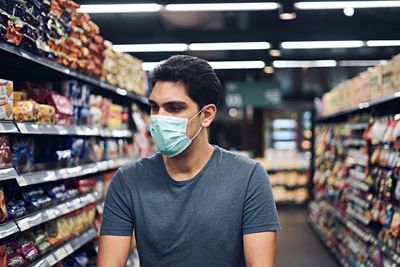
<point>175,103</point>
<point>152,102</point>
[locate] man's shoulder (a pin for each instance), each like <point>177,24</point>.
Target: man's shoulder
<point>142,165</point>
<point>235,160</point>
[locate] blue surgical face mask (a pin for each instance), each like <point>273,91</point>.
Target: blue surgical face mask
<point>169,134</point>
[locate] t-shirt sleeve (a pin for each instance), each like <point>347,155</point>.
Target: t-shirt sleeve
<point>259,210</point>
<point>118,213</point>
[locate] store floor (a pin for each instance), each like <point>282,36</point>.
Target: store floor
<point>298,246</point>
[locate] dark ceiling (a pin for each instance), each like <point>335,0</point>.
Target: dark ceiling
<point>316,25</point>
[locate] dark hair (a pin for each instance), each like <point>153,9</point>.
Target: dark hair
<point>201,83</point>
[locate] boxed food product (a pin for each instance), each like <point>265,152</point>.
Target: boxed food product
<point>20,96</point>
<point>3,252</point>
<point>96,109</point>
<point>365,91</point>
<point>387,79</point>
<point>23,154</point>
<point>5,152</point>
<point>115,117</point>
<point>36,198</point>
<point>105,111</point>
<point>376,82</point>
<point>64,109</point>
<point>86,185</point>
<point>16,208</point>
<point>396,73</point>
<point>47,114</point>
<point>3,207</point>
<point>26,111</point>
<point>6,100</point>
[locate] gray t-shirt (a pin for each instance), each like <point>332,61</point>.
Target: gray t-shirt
<point>197,222</point>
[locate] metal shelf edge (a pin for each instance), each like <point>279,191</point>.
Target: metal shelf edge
<point>71,172</point>
<point>65,250</point>
<point>8,228</point>
<point>48,214</point>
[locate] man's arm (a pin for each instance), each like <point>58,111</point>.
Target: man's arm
<point>260,249</point>
<point>113,251</point>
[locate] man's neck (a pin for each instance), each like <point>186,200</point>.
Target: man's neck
<point>188,164</point>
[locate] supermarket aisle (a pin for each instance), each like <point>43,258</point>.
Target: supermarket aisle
<point>298,246</point>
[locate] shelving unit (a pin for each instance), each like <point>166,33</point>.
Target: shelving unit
<point>65,250</point>
<point>346,187</point>
<point>44,67</point>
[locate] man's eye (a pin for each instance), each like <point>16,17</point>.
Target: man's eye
<point>152,107</point>
<point>174,109</point>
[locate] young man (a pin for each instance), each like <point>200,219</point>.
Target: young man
<point>192,204</point>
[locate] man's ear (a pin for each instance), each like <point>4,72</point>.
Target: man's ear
<point>209,113</point>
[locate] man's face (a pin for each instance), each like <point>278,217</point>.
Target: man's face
<point>171,99</point>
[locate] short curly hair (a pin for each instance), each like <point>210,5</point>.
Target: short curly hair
<point>201,83</point>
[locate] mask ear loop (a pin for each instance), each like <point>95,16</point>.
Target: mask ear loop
<point>201,127</point>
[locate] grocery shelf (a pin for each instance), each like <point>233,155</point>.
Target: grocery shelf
<point>76,130</point>
<point>65,250</point>
<point>69,73</point>
<point>8,173</point>
<point>8,228</point>
<point>365,234</point>
<point>362,107</point>
<point>8,127</point>
<point>71,172</point>
<point>48,214</point>
<point>327,243</point>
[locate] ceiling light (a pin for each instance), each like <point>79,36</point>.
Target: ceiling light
<point>256,64</point>
<point>287,16</point>
<point>229,46</point>
<point>304,63</point>
<point>322,44</point>
<point>168,47</point>
<point>346,4</point>
<point>269,70</point>
<point>383,43</point>
<point>359,63</point>
<point>286,10</point>
<point>348,11</point>
<point>222,6</point>
<point>120,8</point>
<point>275,53</point>
<point>149,66</point>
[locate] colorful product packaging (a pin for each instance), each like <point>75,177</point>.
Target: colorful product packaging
<point>6,100</point>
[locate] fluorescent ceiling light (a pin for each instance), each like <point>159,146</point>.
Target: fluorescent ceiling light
<point>322,44</point>
<point>229,46</point>
<point>304,63</point>
<point>359,63</point>
<point>168,47</point>
<point>149,66</point>
<point>222,6</point>
<point>120,8</point>
<point>346,4</point>
<point>383,43</point>
<point>256,64</point>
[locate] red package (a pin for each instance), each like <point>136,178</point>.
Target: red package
<point>5,152</point>
<point>64,109</point>
<point>86,185</point>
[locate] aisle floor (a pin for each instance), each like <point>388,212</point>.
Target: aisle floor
<point>298,245</point>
